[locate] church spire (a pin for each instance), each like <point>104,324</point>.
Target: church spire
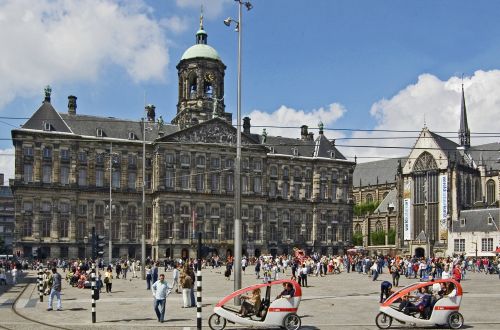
<point>464,133</point>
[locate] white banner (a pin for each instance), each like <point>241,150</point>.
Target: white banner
<point>407,219</point>
<point>443,209</point>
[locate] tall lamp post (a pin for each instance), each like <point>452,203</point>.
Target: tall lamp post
<point>110,202</point>
<point>143,233</point>
<point>237,169</point>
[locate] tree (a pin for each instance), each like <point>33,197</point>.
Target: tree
<point>364,208</point>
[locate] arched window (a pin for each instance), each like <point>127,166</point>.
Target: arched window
<point>369,198</point>
<point>425,162</point>
<point>385,195</point>
<point>193,87</point>
<point>379,227</point>
<point>468,191</point>
<point>490,192</point>
<point>477,190</point>
<point>357,229</point>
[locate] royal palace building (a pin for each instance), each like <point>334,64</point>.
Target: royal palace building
<point>75,172</point>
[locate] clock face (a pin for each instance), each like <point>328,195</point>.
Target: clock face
<point>209,76</point>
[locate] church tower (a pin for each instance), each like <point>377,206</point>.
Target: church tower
<point>201,84</point>
<point>464,132</point>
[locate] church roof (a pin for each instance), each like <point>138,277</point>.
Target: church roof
<point>477,221</point>
<point>377,172</point>
<point>487,155</point>
<point>391,199</point>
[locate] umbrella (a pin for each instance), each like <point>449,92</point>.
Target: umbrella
<point>497,250</point>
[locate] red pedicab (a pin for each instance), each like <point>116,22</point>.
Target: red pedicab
<point>441,308</point>
<point>280,312</point>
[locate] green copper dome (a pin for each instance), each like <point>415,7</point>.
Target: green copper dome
<point>200,50</point>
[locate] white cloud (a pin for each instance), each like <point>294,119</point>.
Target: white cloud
<point>52,41</point>
<point>175,24</point>
<point>437,104</point>
<point>7,164</point>
<point>211,8</point>
<point>276,123</point>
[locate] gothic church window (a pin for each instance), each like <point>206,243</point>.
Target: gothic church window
<point>490,192</point>
<point>379,227</point>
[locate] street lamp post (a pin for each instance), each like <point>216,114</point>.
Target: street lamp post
<point>237,170</point>
<point>110,202</point>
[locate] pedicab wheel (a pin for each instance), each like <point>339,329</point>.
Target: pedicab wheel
<point>455,320</point>
<point>216,322</point>
<point>383,321</point>
<point>292,322</point>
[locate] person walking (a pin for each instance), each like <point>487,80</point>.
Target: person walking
<point>148,277</point>
<point>160,290</point>
<point>175,278</point>
<point>13,273</point>
<point>55,290</point>
<point>186,284</point>
<point>108,279</point>
<point>395,274</point>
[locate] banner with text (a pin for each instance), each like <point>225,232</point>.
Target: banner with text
<point>443,209</point>
<point>407,211</point>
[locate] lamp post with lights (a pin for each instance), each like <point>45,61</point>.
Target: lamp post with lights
<point>237,169</point>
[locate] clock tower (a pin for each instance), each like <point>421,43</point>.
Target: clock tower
<point>201,84</point>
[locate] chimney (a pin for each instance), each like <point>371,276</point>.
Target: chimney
<point>303,132</point>
<point>246,125</point>
<point>72,105</point>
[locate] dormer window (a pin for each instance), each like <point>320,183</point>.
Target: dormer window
<point>99,132</point>
<point>271,150</point>
<point>132,136</point>
<point>295,151</point>
<point>462,222</point>
<point>490,220</point>
<point>332,154</point>
<point>47,126</point>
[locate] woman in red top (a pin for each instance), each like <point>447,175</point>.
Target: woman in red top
<point>457,273</point>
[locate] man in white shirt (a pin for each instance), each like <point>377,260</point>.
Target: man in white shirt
<point>160,290</point>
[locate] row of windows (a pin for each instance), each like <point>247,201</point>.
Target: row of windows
<point>47,177</point>
<point>82,156</point>
<point>486,245</point>
<point>185,159</point>
<point>100,209</point>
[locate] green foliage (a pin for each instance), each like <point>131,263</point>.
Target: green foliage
<point>357,239</point>
<point>391,236</point>
<point>377,238</point>
<point>364,208</point>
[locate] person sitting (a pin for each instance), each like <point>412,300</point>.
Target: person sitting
<point>251,303</point>
<point>288,291</point>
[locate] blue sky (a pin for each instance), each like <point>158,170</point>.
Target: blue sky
<point>351,64</point>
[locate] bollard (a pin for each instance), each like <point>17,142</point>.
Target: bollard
<point>40,284</point>
<point>198,285</point>
<point>93,288</point>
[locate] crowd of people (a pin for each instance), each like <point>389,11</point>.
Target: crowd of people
<point>298,267</point>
